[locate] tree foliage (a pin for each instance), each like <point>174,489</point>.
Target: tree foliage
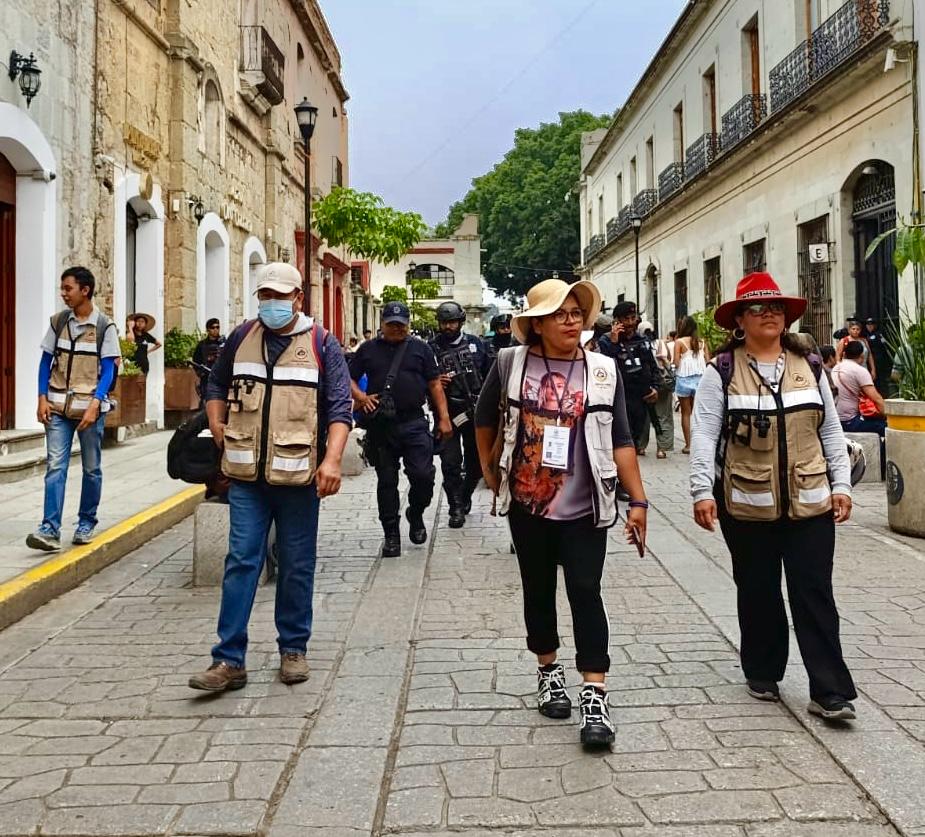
<point>528,205</point>
<point>423,316</point>
<point>362,222</point>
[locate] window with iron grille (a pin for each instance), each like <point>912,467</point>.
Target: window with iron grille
<point>815,280</point>
<point>753,257</point>
<point>337,172</point>
<point>680,295</point>
<point>712,283</point>
<point>356,275</point>
<point>435,272</point>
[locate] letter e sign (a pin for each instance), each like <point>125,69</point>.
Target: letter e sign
<point>818,253</point>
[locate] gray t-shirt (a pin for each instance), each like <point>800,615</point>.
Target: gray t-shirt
<point>77,327</point>
<point>707,424</point>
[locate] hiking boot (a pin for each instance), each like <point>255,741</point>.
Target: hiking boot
<point>597,730</point>
<point>417,530</point>
<point>832,708</point>
<point>467,505</point>
<point>43,540</point>
<point>293,668</point>
<point>84,535</point>
<point>391,545</point>
<point>219,677</point>
<point>551,695</point>
<point>457,517</point>
<point>763,690</point>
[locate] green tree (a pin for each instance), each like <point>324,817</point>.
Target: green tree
<point>528,204</point>
<point>362,222</point>
<point>422,316</point>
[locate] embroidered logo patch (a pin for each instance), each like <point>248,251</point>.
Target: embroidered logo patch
<point>301,353</point>
<point>600,374</point>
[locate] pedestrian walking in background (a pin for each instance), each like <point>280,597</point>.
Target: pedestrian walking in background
<point>278,403</point>
<point>145,342</point>
<point>880,355</point>
<point>206,353</point>
<point>401,373</point>
<point>690,359</point>
<point>856,335</point>
<point>764,420</point>
<point>565,441</point>
<point>463,364</point>
<point>635,361</point>
<point>76,372</point>
<point>664,407</point>
<point>501,335</point>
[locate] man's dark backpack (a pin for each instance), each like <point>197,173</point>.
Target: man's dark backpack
<point>103,323</point>
<point>191,457</point>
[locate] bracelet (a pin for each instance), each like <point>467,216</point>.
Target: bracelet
<point>639,504</point>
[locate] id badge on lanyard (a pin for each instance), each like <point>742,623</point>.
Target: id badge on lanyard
<point>556,438</point>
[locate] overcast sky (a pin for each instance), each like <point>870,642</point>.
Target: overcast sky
<point>438,86</point>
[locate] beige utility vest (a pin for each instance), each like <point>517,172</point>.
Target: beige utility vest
<point>773,465</point>
<point>273,412</point>
<point>75,371</point>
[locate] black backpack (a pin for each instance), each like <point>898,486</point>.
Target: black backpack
<point>191,457</point>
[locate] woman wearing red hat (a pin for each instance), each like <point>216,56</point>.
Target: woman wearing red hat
<point>769,462</point>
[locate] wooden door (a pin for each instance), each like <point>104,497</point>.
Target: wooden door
<point>711,93</point>
<point>753,44</point>
<point>7,294</point>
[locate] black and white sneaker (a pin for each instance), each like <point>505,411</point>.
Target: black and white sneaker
<point>597,730</point>
<point>763,690</point>
<point>833,708</point>
<point>551,695</point>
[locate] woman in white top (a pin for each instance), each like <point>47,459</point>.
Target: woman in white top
<point>690,359</point>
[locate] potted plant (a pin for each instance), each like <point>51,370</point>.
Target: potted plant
<point>179,377</point>
<point>130,391</point>
<point>905,434</point>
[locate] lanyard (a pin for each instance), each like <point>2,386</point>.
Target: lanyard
<point>568,381</point>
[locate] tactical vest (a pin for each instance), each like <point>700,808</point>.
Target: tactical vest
<point>272,428</point>
<point>460,360</point>
<point>75,370</point>
<point>771,460</point>
<point>600,390</point>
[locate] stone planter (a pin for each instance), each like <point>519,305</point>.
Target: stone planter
<point>130,393</point>
<point>905,466</point>
<point>180,389</point>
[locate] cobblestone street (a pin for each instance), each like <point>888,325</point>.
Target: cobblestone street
<point>419,714</point>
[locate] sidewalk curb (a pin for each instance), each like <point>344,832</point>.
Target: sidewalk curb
<point>23,594</point>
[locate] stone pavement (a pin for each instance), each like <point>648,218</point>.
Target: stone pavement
<point>134,479</point>
<point>418,717</point>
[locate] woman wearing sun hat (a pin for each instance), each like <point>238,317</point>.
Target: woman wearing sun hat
<point>565,438</point>
<point>769,461</point>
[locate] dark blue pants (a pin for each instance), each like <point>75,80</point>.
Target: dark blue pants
<point>295,512</point>
<point>459,462</point>
<point>411,442</point>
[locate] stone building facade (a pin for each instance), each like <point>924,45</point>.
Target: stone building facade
<point>763,135</point>
<point>190,175</point>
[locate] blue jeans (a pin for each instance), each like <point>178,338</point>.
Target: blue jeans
<point>859,424</point>
<point>59,436</point>
<point>252,507</point>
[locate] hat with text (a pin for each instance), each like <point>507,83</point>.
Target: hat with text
<point>280,277</point>
<point>396,312</point>
<point>758,287</point>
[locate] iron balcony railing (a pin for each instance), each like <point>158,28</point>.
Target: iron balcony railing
<point>263,62</point>
<point>613,229</point>
<point>670,181</point>
<point>742,118</point>
<point>841,35</point>
<point>645,202</point>
<point>594,246</point>
<point>700,155</point>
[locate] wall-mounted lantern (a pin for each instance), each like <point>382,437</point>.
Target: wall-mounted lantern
<point>30,76</point>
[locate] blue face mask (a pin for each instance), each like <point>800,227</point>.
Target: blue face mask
<point>275,313</point>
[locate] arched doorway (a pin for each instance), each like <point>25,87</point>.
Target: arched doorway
<point>7,294</point>
<point>212,269</point>
<point>339,312</point>
<point>873,212</point>
<point>255,256</point>
<point>131,260</point>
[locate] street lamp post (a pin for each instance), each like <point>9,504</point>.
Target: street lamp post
<point>636,221</point>
<point>412,267</point>
<point>306,114</point>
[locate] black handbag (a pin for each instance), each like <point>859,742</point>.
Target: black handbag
<point>386,411</point>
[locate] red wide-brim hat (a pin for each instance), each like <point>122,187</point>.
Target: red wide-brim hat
<point>758,287</point>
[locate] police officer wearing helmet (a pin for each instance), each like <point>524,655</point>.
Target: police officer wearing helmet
<point>501,335</point>
<point>401,374</point>
<point>463,363</point>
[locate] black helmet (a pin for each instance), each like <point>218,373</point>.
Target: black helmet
<point>448,312</point>
<point>500,321</point>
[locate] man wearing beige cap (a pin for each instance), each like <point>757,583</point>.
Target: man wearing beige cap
<point>279,406</point>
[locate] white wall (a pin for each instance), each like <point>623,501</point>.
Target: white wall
<point>212,272</point>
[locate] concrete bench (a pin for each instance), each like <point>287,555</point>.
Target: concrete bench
<point>210,544</point>
<point>871,444</point>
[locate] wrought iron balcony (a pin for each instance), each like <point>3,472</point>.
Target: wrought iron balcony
<point>613,229</point>
<point>262,65</point>
<point>670,180</point>
<point>742,118</point>
<point>841,35</point>
<point>700,155</point>
<point>645,202</point>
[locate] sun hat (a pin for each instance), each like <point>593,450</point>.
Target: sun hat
<point>280,277</point>
<point>758,287</point>
<point>547,297</point>
<point>151,321</point>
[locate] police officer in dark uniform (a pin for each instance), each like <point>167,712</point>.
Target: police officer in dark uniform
<point>396,427</point>
<point>463,364</point>
<point>883,358</point>
<point>635,359</point>
<point>501,338</point>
